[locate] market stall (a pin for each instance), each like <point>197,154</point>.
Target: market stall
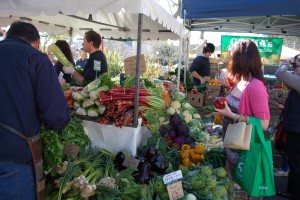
<point>181,156</point>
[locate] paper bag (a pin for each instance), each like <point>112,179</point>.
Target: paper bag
<point>238,136</point>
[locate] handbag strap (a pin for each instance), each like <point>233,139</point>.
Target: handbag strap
<point>259,131</point>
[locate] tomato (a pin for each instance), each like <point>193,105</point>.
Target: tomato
<point>231,82</point>
<point>219,102</point>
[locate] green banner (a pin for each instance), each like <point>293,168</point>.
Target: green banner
<point>269,48</point>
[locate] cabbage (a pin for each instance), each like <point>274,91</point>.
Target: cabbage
<point>182,130</point>
<point>97,102</point>
<point>175,120</point>
<point>80,111</point>
<point>77,96</point>
<point>92,112</point>
<point>172,133</point>
<point>84,93</point>
<point>179,141</point>
<point>88,103</point>
<point>76,104</point>
<point>101,109</point>
<point>94,94</point>
<point>92,85</point>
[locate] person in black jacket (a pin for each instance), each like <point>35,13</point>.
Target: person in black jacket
<point>30,95</point>
<point>96,64</point>
<point>290,120</point>
<point>200,68</point>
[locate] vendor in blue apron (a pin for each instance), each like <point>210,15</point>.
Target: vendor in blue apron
<point>96,64</point>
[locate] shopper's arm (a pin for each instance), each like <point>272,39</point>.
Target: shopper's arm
<point>196,75</point>
<point>291,80</point>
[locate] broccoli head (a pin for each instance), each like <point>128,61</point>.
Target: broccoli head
<point>159,186</point>
<point>219,192</point>
<point>198,182</point>
<point>221,172</point>
<point>225,182</point>
<point>206,171</point>
<point>211,182</point>
<point>164,196</point>
<point>203,192</point>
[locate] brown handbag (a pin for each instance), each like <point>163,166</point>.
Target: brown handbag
<point>35,145</point>
<point>238,136</point>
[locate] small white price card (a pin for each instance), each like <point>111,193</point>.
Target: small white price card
<point>171,177</point>
<point>175,190</point>
<point>131,162</point>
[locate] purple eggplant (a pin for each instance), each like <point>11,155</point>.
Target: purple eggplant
<point>119,159</point>
<point>144,174</point>
<point>151,152</point>
<point>159,164</point>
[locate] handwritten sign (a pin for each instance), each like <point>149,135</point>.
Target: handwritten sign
<point>168,178</point>
<point>175,190</point>
<point>131,162</point>
<point>130,65</point>
<point>71,150</point>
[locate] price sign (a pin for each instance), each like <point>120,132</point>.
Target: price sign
<point>171,177</point>
<point>71,150</point>
<point>175,190</point>
<point>131,162</point>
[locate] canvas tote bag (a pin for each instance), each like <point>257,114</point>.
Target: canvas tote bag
<point>254,169</point>
<point>238,136</point>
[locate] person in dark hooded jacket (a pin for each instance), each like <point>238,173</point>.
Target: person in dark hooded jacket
<point>290,121</point>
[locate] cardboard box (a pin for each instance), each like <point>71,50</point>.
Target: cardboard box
<point>196,100</point>
<point>213,91</point>
<point>130,65</point>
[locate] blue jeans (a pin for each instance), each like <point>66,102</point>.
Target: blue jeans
<point>17,181</point>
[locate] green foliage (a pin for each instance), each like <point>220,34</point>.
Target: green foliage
<point>49,38</point>
<point>187,76</point>
<point>114,62</point>
<point>52,148</point>
<point>106,80</point>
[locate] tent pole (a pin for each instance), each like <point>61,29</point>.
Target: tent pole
<point>179,62</point>
<point>137,72</point>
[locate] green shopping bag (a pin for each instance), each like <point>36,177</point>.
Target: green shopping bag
<point>254,170</point>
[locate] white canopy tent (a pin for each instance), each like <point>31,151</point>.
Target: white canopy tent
<point>287,52</point>
<point>111,18</point>
<point>124,19</point>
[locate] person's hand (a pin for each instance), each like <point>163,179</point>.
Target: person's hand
<point>69,69</point>
<point>202,81</point>
<point>225,111</point>
<point>279,105</point>
<point>224,77</point>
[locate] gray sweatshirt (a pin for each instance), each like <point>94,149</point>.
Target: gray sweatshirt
<point>291,80</point>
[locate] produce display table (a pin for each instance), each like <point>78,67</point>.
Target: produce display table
<point>116,139</point>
